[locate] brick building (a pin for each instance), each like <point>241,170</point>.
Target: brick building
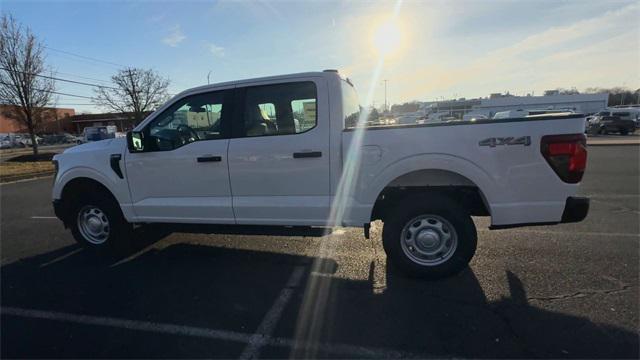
<point>54,120</point>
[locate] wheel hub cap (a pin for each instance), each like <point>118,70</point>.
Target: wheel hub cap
<point>429,240</point>
<point>93,224</point>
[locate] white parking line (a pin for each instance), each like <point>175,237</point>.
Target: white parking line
<point>214,334</point>
<point>268,324</point>
<point>25,180</point>
<point>62,257</point>
<point>576,233</point>
<point>44,217</point>
<point>128,324</point>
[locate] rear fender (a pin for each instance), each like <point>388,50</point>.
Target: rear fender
<point>441,163</point>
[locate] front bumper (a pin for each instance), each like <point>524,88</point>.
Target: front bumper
<point>575,209</point>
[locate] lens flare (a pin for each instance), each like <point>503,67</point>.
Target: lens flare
<point>387,38</point>
<point>315,310</point>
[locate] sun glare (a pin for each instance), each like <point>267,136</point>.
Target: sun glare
<point>387,38</point>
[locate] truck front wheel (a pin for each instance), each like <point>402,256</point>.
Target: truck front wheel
<point>97,223</point>
<point>430,237</point>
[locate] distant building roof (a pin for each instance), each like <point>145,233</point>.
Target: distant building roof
<point>104,117</point>
<point>542,100</point>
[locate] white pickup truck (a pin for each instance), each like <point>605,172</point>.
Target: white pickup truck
<point>291,151</point>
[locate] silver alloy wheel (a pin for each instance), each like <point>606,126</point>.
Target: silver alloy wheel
<point>429,240</point>
<point>93,224</point>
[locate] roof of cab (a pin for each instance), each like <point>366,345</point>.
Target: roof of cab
<point>325,73</point>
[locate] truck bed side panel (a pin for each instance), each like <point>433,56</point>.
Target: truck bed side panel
<point>516,181</point>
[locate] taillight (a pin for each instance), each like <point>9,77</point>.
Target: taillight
<point>567,155</point>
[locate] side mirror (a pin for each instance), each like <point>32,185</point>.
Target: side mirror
<point>135,141</point>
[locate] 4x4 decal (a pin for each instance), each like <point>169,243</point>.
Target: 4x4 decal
<point>496,141</point>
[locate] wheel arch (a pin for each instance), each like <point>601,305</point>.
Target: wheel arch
<point>80,186</point>
<point>423,182</point>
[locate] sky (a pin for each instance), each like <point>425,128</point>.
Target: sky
<point>444,49</point>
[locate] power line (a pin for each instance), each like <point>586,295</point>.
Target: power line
<point>60,79</point>
<point>76,104</point>
<point>87,57</point>
<point>72,95</point>
<point>84,77</point>
<point>59,93</point>
<point>80,56</point>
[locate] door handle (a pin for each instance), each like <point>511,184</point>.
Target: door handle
<point>307,154</point>
<point>209,159</point>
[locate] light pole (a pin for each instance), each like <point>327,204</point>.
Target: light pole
<point>209,74</point>
<point>385,95</point>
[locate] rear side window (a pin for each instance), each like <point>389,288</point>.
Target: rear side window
<point>280,109</point>
<point>351,105</point>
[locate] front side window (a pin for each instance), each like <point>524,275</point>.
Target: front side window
<point>194,118</point>
<point>279,109</point>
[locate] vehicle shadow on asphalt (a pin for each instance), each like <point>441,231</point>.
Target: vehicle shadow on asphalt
<point>231,289</point>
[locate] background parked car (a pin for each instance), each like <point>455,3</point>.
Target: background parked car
<point>64,138</point>
<point>15,141</point>
<point>97,133</point>
<point>10,142</point>
<point>611,124</point>
<point>629,113</point>
<point>26,139</point>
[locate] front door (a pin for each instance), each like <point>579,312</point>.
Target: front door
<point>279,156</point>
<point>183,176</point>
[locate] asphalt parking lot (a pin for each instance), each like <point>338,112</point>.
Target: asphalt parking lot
<point>565,291</point>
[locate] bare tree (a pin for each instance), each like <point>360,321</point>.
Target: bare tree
<point>137,91</point>
<point>23,88</point>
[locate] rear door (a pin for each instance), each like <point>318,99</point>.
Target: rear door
<point>279,156</point>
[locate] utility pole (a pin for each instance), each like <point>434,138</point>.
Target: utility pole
<point>209,74</point>
<point>385,95</point>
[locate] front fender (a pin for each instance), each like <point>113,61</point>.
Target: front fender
<point>118,187</point>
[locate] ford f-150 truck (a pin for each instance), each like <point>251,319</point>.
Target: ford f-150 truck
<point>292,150</point>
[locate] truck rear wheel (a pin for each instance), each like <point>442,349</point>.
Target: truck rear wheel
<point>97,223</point>
<point>431,238</point>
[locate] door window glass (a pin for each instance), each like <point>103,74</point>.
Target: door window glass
<point>280,109</point>
<point>194,118</point>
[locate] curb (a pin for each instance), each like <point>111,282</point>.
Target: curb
<point>613,144</point>
<point>23,177</point>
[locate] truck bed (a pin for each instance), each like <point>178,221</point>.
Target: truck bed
<point>501,157</point>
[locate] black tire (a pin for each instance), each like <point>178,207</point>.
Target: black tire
<point>118,239</point>
<point>439,207</point>
<point>624,132</point>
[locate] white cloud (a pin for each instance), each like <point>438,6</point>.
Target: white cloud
<point>596,51</point>
<point>156,18</point>
<point>215,50</point>
<point>175,37</point>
